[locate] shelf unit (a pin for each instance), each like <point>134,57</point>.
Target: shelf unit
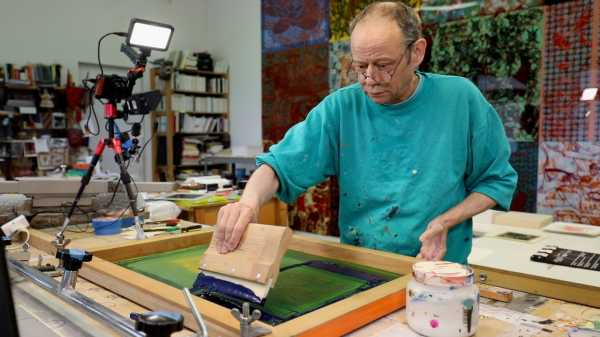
<point>168,144</point>
<point>16,140</point>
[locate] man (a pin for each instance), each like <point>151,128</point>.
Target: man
<point>416,154</point>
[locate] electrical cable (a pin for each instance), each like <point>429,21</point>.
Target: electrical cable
<point>91,109</point>
<point>100,42</point>
<point>154,129</point>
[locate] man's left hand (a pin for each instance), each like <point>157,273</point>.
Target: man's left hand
<point>433,241</point>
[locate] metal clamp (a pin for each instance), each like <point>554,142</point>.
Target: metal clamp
<point>246,319</point>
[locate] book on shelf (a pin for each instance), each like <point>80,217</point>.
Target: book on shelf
<point>183,59</point>
<point>199,84</point>
<point>190,152</point>
<point>184,103</point>
<point>189,83</point>
<point>30,74</point>
<point>191,124</point>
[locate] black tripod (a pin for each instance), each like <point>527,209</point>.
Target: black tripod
<point>114,88</point>
<point>111,114</point>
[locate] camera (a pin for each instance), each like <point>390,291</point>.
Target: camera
<point>112,87</point>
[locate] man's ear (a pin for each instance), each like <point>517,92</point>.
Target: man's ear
<point>419,48</point>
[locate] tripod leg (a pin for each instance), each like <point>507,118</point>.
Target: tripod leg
<point>126,179</point>
<point>59,242</point>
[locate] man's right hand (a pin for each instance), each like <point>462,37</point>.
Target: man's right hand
<point>232,220</point>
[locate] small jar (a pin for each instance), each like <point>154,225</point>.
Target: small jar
<point>442,300</point>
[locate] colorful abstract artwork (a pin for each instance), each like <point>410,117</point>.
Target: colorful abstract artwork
<point>506,40</point>
<point>441,11</point>
<point>294,23</point>
<point>567,55</point>
<point>524,159</point>
<point>597,106</point>
<point>569,181</point>
<point>503,60</point>
<point>316,210</point>
<point>295,81</point>
<point>493,7</point>
<point>340,71</point>
<point>341,14</point>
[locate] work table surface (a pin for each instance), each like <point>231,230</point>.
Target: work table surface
<point>496,318</point>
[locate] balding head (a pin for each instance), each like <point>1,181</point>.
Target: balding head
<point>403,16</point>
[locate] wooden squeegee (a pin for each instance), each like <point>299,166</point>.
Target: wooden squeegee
<point>255,263</point>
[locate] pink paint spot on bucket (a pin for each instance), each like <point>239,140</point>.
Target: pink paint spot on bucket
<point>434,323</point>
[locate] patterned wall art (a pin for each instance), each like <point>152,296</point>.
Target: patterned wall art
<point>341,14</point>
<point>340,71</point>
<point>494,7</point>
<point>524,160</point>
<point>506,40</point>
<point>441,11</point>
<point>294,23</point>
<point>316,210</point>
<point>503,60</point>
<point>294,81</point>
<point>597,106</point>
<point>569,181</point>
<point>567,55</point>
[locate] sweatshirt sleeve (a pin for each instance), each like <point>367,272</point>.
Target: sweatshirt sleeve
<point>307,154</point>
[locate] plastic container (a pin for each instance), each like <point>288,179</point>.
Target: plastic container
<point>127,222</point>
<point>107,226</point>
<point>442,300</point>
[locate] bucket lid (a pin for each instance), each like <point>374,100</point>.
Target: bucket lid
<point>442,273</point>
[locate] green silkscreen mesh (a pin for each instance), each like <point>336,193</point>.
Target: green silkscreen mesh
<point>300,287</point>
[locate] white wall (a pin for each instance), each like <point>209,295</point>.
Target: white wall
<point>67,31</point>
<point>234,35</point>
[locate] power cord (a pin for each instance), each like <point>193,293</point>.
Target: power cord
<point>100,42</point>
<point>154,130</point>
<point>91,109</point>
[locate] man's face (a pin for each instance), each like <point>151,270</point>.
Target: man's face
<point>384,64</point>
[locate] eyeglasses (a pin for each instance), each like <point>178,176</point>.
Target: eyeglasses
<point>380,73</point>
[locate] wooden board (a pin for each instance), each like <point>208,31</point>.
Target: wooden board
<point>332,320</point>
<point>273,212</point>
<point>522,219</point>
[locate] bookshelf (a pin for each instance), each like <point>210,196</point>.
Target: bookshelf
<point>33,105</point>
<point>193,118</point>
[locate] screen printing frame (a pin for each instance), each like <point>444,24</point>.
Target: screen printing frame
<point>332,320</point>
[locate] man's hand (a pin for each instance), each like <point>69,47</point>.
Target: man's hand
<point>433,241</point>
<point>232,220</point>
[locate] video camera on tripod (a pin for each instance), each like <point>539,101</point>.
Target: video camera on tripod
<point>111,90</point>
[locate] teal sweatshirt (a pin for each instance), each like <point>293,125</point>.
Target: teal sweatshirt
<point>399,166</point>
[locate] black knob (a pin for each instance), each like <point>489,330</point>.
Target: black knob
<point>158,323</point>
<point>73,258</point>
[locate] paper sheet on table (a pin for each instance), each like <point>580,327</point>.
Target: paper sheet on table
<point>479,254</point>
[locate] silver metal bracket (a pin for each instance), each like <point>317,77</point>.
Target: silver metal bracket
<point>246,319</point>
